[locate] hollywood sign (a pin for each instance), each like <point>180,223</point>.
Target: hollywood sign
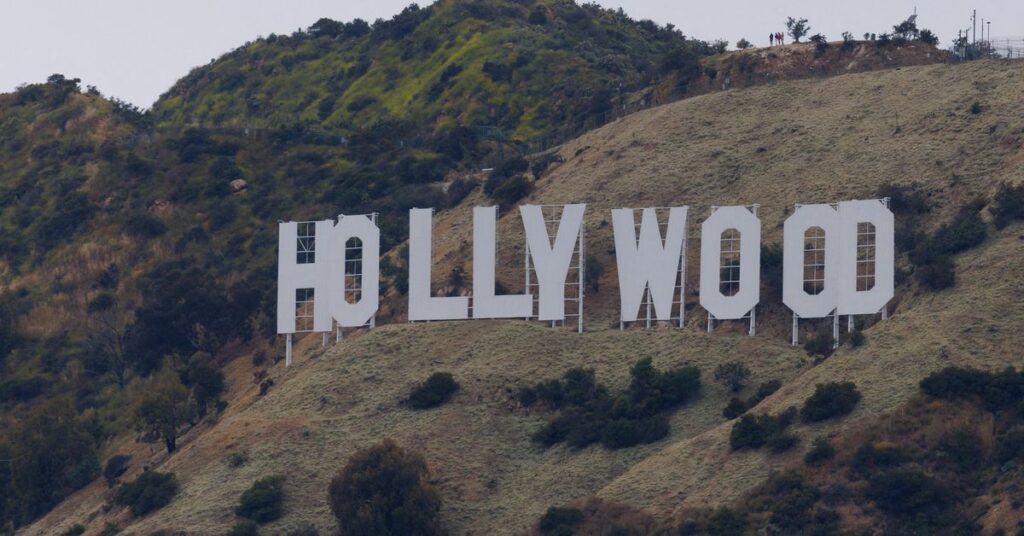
<point>838,259</point>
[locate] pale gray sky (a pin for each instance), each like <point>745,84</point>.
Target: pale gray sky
<point>135,49</point>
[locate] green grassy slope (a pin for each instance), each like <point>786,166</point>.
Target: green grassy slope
<point>531,69</point>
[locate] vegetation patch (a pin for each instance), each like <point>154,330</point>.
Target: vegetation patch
<point>149,492</point>
<point>435,391</point>
<point>588,413</point>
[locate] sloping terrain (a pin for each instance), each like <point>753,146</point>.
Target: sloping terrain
<point>793,142</point>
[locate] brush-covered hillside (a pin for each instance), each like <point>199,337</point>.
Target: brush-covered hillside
<point>531,69</point>
<point>944,142</point>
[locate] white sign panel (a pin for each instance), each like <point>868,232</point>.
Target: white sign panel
<point>648,261</point>
<point>839,261</point>
<point>423,306</point>
<point>485,303</point>
<point>351,315</point>
<point>809,258</point>
<point>738,220</point>
<point>551,262</point>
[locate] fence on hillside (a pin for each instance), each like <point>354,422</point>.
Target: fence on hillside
<point>1007,47</point>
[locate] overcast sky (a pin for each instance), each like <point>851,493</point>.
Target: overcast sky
<point>135,49</point>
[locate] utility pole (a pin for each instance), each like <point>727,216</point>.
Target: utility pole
<point>974,26</point>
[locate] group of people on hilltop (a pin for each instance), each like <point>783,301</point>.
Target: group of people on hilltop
<point>776,38</point>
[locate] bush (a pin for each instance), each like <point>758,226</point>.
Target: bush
<point>734,408</point>
<point>820,451</point>
<point>997,391</point>
<point>857,339</point>
<point>150,492</point>
<point>76,530</point>
<point>873,456</point>
<point>821,344</point>
<point>906,491</point>
<point>590,415</point>
<point>437,390</point>
<point>764,390</point>
<point>726,522</point>
<point>458,190</point>
<point>754,432</point>
<point>1010,446</point>
<point>385,490</point>
<point>512,190</point>
<point>937,274</point>
<point>782,442</point>
<point>830,400</point>
<point>244,528</point>
<point>732,375</point>
<point>963,449</point>
<point>1008,205</point>
<point>263,502</point>
<point>115,467</point>
<point>965,231</point>
<point>558,521</point>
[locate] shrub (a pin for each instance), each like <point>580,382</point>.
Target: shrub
<point>764,390</point>
<point>76,530</point>
<point>1008,205</point>
<point>757,431</point>
<point>263,502</point>
<point>385,490</point>
<point>437,390</point>
<point>151,491</point>
<point>964,232</point>
<point>558,521</point>
<point>537,16</point>
<point>782,442</point>
<point>589,414</point>
<point>244,528</point>
<point>732,375</point>
<point>743,44</point>
<point>906,491</point>
<point>820,451</point>
<point>833,399</point>
<point>115,467</point>
<point>458,190</point>
<point>726,522</point>
<point>512,190</point>
<point>997,391</point>
<point>937,274</point>
<point>821,344</point>
<point>624,433</point>
<point>962,448</point>
<point>872,456</point>
<point>1010,446</point>
<point>237,459</point>
<point>857,339</point>
<point>975,108</point>
<point>734,408</point>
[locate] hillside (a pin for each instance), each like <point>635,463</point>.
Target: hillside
<point>955,132</point>
<point>530,69</point>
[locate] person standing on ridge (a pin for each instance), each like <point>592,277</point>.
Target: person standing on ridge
<point>771,40</point>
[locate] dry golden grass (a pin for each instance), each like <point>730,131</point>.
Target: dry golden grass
<point>822,140</point>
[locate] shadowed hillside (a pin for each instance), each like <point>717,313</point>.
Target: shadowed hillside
<point>956,132</point>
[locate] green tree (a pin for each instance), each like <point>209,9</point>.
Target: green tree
<point>797,28</point>
<point>165,407</point>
